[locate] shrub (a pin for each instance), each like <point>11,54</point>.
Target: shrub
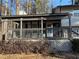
<point>18,47</point>
<point>75,45</point>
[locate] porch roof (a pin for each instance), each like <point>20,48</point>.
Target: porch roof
<point>55,16</point>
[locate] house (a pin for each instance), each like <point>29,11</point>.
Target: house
<point>36,27</point>
<point>74,11</point>
<point>40,27</point>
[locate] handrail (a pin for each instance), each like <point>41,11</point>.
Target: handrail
<point>75,32</point>
<point>29,29</point>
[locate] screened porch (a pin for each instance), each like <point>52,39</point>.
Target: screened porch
<point>36,27</point>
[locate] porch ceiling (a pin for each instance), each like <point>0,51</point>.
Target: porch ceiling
<point>27,17</point>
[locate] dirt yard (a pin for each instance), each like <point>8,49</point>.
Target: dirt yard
<point>23,56</point>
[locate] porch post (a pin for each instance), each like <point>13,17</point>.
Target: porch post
<point>42,27</point>
<point>70,28</point>
<point>11,28</point>
<point>21,28</point>
<point>5,29</point>
<point>2,26</point>
<point>1,29</point>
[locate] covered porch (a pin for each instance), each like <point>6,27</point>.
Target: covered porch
<point>35,27</point>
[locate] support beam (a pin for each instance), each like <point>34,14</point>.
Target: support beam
<point>26,19</point>
<point>70,28</point>
<point>42,26</point>
<point>5,30</point>
<point>11,27</point>
<point>21,28</point>
<point>2,26</point>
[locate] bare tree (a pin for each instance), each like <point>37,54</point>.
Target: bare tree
<point>41,6</point>
<point>36,6</point>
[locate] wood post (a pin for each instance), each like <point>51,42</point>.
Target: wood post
<point>2,26</point>
<point>4,29</point>
<point>42,27</point>
<point>70,28</point>
<point>21,28</point>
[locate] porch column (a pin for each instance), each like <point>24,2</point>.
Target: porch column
<point>42,27</point>
<point>5,31</point>
<point>11,28</point>
<point>70,28</point>
<point>2,26</point>
<point>1,29</point>
<point>21,28</point>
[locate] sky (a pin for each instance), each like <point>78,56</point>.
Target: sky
<point>55,3</point>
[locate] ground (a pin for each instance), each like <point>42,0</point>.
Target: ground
<point>23,56</point>
<point>38,56</point>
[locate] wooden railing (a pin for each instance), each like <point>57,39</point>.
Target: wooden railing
<point>35,33</point>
